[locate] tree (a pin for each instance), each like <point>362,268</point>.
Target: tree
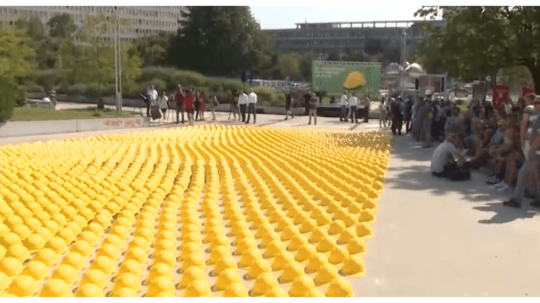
<point>62,26</point>
<point>306,65</point>
<point>333,57</point>
<point>221,41</point>
<point>16,52</point>
<point>479,41</point>
<point>356,57</point>
<point>153,49</point>
<point>289,64</point>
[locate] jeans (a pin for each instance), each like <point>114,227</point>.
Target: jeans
<point>313,112</point>
<point>252,108</point>
<point>523,178</point>
<point>354,114</point>
<point>243,111</point>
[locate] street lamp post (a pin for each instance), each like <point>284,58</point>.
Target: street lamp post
<point>117,62</point>
<point>403,45</point>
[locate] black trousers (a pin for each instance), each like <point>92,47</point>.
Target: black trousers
<point>453,172</point>
<point>243,108</point>
<point>178,110</point>
<point>366,116</point>
<point>407,125</point>
<point>148,109</point>
<point>252,108</point>
<point>397,125</point>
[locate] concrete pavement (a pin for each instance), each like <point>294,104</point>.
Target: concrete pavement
<point>434,237</point>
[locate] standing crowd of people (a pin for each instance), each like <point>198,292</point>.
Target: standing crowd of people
<point>192,103</point>
<point>353,108</point>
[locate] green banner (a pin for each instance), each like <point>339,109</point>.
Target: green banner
<point>335,77</point>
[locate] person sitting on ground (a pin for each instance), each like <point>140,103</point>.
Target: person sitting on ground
<point>507,160</point>
<point>492,136</point>
<point>444,164</point>
<point>530,136</point>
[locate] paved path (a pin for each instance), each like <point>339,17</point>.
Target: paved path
<point>434,237</point>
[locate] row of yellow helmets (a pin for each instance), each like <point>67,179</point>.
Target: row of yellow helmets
<point>129,182</point>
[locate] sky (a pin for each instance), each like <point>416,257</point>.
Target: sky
<point>279,17</point>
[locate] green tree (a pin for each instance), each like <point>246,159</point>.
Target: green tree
<point>289,64</point>
<point>356,57</point>
<point>220,41</point>
<point>306,65</point>
<point>479,41</point>
<point>62,26</point>
<point>333,57</point>
<point>16,53</point>
<point>153,49</point>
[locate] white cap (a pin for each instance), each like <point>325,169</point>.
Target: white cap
<point>428,92</point>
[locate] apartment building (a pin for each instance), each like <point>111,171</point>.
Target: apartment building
<point>143,20</point>
<point>342,37</point>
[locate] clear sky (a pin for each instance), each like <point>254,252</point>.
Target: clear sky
<point>272,17</point>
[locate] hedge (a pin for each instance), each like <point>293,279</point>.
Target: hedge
<point>10,96</point>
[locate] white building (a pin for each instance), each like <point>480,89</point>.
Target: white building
<point>144,20</point>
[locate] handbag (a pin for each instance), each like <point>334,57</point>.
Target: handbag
<point>155,112</point>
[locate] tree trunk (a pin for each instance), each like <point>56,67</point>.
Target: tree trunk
<point>535,72</point>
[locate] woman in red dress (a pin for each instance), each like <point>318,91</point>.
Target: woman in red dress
<point>188,102</point>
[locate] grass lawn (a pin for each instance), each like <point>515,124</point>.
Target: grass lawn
<point>40,114</point>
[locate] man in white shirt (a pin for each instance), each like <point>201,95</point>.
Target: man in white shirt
<point>443,163</point>
<point>353,103</point>
<point>344,103</point>
<point>242,102</point>
<point>252,106</point>
<point>153,95</point>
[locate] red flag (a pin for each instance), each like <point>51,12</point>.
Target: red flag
<point>500,94</point>
<point>526,90</point>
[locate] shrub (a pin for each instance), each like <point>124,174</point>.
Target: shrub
<point>48,78</point>
<point>32,87</point>
<point>159,85</point>
<point>100,104</point>
<point>231,84</point>
<point>77,90</point>
<point>108,90</point>
<point>10,93</point>
<point>264,95</point>
<point>131,90</point>
<point>460,102</point>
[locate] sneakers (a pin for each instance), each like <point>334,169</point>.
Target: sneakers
<point>504,188</point>
<point>493,180</point>
<point>497,185</point>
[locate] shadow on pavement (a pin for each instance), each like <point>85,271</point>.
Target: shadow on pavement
<point>414,174</point>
